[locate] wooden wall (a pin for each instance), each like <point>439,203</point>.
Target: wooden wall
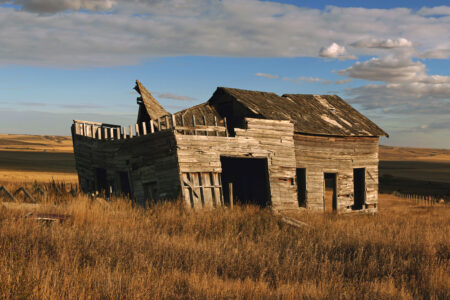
<point>268,139</point>
<point>150,162</point>
<point>339,155</point>
<point>166,163</point>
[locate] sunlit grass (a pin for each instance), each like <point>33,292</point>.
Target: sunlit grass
<point>117,250</point>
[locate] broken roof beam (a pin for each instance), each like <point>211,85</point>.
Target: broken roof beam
<point>154,109</point>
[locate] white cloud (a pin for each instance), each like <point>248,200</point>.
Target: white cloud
<point>343,81</point>
<point>388,69</point>
<point>335,51</point>
<point>52,6</point>
<point>407,87</point>
<point>269,76</point>
<point>434,11</point>
<point>383,44</point>
<point>172,96</point>
<point>134,30</point>
<point>437,54</point>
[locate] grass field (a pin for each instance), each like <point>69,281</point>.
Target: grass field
<point>117,251</point>
<point>113,250</point>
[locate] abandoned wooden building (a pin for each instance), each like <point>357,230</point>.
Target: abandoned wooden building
<point>287,152</point>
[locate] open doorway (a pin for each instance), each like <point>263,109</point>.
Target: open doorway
<point>125,188</point>
<point>359,188</point>
<point>330,194</point>
<point>101,181</point>
<point>249,179</point>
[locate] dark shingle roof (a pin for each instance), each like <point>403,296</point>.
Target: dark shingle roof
<point>311,114</point>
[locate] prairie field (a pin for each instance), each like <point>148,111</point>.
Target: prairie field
<point>116,250</point>
<point>112,250</point>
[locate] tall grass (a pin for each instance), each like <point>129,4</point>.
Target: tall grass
<point>117,251</point>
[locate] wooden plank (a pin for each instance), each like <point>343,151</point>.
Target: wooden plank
<point>144,128</point>
<point>207,189</point>
<point>136,128</point>
<point>152,126</point>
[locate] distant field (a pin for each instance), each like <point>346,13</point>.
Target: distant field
<point>409,170</point>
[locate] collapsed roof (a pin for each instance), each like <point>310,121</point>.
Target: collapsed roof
<point>326,115</point>
<point>311,114</point>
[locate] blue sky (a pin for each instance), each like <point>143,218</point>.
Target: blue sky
<point>62,60</point>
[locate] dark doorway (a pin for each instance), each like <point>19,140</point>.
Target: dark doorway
<point>125,184</point>
<point>330,195</point>
<point>250,180</point>
<point>301,186</point>
<point>101,180</point>
<point>359,185</point>
<point>151,191</point>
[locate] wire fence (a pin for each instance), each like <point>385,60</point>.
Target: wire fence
<point>422,199</point>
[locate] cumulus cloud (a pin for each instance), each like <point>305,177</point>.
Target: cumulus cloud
<point>269,76</point>
<point>335,51</point>
<point>407,88</point>
<point>383,44</point>
<point>390,69</point>
<point>135,30</point>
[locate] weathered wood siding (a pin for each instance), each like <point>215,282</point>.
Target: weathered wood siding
<point>268,139</point>
<point>339,155</point>
<point>150,162</point>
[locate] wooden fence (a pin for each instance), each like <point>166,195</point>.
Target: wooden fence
<point>423,200</point>
<point>102,131</point>
<point>40,191</point>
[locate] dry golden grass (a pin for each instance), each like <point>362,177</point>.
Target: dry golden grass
<point>389,153</point>
<point>117,251</point>
<point>17,177</point>
<point>25,142</point>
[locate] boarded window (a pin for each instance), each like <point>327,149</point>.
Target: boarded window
<point>202,189</point>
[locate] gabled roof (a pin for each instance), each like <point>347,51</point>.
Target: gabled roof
<point>311,114</point>
<point>154,109</point>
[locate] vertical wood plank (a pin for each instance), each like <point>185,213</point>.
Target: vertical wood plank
<point>182,123</point>
<point>111,131</point>
<point>230,191</point>
<point>159,124</point>
<point>226,127</point>
<point>188,193</point>
<point>105,133</point>
<point>174,122</point>
<point>136,128</point>
<point>152,126</point>
<point>166,118</point>
<point>118,133</point>
<point>193,124</point>
<point>215,125</point>
<point>207,190</point>
<point>144,128</point>
<point>131,131</point>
